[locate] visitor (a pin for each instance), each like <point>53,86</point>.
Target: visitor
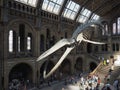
<point>107,61</point>
<point>112,67</point>
<point>99,81</point>
<point>116,84</point>
<point>104,62</point>
<point>108,77</point>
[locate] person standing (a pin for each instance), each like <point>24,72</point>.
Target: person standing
<point>116,84</point>
<point>107,61</point>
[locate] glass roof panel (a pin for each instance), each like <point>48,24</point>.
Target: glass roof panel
<point>68,6</point>
<point>68,13</point>
<point>65,12</point>
<point>84,15</point>
<point>28,2</point>
<point>56,9</point>
<point>72,5</point>
<point>53,0</point>
<point>73,15</point>
<point>31,1</point>
<point>82,19</point>
<point>45,5</point>
<point>71,10</point>
<point>76,8</point>
<point>52,6</point>
<point>95,17</point>
<point>86,12</point>
<point>59,2</point>
<point>83,12</point>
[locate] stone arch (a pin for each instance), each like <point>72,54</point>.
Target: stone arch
<point>12,22</point>
<point>48,65</point>
<point>46,26</point>
<point>93,65</point>
<point>79,65</point>
<point>15,23</point>
<point>65,67</point>
<point>21,71</point>
<point>29,32</point>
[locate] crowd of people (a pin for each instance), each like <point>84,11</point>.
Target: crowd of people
<point>93,82</point>
<point>83,80</point>
<point>17,84</point>
<point>90,82</point>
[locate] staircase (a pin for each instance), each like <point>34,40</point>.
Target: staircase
<point>101,70</point>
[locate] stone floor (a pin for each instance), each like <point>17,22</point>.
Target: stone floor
<point>61,86</point>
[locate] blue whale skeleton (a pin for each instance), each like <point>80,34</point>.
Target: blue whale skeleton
<point>76,38</point>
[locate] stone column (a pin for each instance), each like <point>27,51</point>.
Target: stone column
<point>34,73</point>
<point>5,58</point>
<point>25,43</point>
<point>72,67</point>
<point>1,58</point>
<point>6,76</point>
<point>16,51</point>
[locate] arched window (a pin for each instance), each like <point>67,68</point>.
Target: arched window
<point>89,48</point>
<point>117,47</point>
<point>106,29</point>
<point>103,31</point>
<point>118,25</point>
<point>11,41</point>
<point>113,47</point>
<point>102,47</point>
<point>42,43</point>
<point>21,38</point>
<point>52,41</point>
<point>114,29</point>
<point>29,42</point>
<point>48,37</point>
<point>79,65</point>
<point>96,48</point>
<point>18,43</point>
<point>105,47</point>
<point>66,35</point>
<point>47,33</point>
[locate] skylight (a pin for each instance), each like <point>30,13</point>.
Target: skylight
<point>28,2</point>
<point>52,6</point>
<point>95,17</point>
<point>84,15</point>
<point>71,10</point>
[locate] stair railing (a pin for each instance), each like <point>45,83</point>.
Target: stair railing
<point>97,68</point>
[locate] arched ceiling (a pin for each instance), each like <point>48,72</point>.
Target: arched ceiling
<point>103,8</point>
